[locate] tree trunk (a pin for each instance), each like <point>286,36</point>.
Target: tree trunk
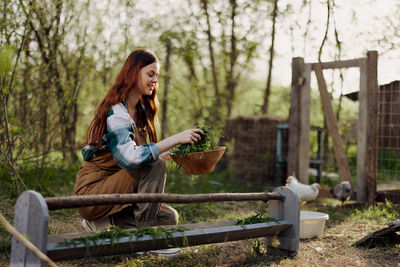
<point>5,98</point>
<point>194,83</point>
<point>325,145</point>
<point>264,109</point>
<point>231,83</point>
<point>164,120</point>
<point>48,44</point>
<point>9,143</point>
<point>217,114</point>
<point>23,101</point>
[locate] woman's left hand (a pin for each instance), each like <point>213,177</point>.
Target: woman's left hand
<point>165,155</point>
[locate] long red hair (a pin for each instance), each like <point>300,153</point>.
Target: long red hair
<point>126,80</point>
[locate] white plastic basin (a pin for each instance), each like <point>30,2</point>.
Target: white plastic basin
<point>312,223</point>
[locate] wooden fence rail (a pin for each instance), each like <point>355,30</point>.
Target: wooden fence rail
<point>31,220</point>
<point>108,199</point>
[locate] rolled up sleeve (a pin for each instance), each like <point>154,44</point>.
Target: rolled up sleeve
<point>120,141</point>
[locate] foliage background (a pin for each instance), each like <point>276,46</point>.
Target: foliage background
<point>58,59</point>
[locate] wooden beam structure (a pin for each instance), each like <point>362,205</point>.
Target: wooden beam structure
<point>304,118</point>
<point>294,122</point>
<point>367,122</point>
<point>367,129</point>
<point>333,129</point>
<point>351,63</point>
<point>299,120</point>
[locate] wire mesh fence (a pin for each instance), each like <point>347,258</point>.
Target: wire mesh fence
<point>389,132</point>
<point>254,148</point>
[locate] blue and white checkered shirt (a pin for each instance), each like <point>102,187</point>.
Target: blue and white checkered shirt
<point>119,140</point>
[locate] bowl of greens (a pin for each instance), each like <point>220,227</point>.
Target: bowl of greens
<point>201,157</point>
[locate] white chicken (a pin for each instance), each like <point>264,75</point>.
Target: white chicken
<point>342,191</point>
<point>305,192</point>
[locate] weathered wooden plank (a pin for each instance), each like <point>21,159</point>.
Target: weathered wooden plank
<point>106,199</point>
<point>148,242</point>
<point>367,129</point>
<point>350,63</point>
<point>395,225</point>
<point>391,195</point>
<point>325,193</point>
<point>384,236</point>
<point>294,119</point>
<point>304,137</point>
<point>333,129</point>
<point>372,126</point>
<point>362,132</point>
<point>31,220</point>
<point>189,226</point>
<point>289,210</point>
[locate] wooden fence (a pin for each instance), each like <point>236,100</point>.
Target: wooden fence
<point>31,220</point>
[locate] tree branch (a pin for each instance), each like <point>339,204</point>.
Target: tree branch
<point>9,228</point>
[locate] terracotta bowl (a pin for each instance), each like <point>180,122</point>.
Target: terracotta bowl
<point>199,162</point>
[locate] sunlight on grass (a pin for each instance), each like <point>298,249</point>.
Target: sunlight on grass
<point>379,213</point>
<point>345,225</point>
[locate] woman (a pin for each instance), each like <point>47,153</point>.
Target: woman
<point>122,152</point>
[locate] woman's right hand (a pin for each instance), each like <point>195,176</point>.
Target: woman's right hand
<point>190,136</point>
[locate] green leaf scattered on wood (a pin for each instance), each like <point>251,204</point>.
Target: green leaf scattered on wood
<point>114,233</point>
<point>258,218</point>
<point>258,246</point>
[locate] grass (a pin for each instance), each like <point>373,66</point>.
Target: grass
<point>334,248</point>
<point>54,179</point>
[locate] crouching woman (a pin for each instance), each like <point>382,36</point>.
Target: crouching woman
<point>122,154</point>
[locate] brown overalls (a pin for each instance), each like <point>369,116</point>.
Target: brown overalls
<point>101,175</point>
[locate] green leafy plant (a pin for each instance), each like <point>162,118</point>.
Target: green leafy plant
<point>206,143</point>
<point>258,247</point>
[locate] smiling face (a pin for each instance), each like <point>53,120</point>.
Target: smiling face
<point>148,78</point>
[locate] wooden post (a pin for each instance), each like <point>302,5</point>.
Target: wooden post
<point>30,219</point>
<point>333,129</point>
<point>367,129</point>
<point>362,132</point>
<point>299,120</point>
<point>304,137</point>
<point>294,126</point>
<point>289,210</point>
<point>372,122</point>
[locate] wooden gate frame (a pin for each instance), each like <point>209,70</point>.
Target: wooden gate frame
<point>299,120</point>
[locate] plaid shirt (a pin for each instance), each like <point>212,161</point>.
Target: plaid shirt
<point>119,140</point>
